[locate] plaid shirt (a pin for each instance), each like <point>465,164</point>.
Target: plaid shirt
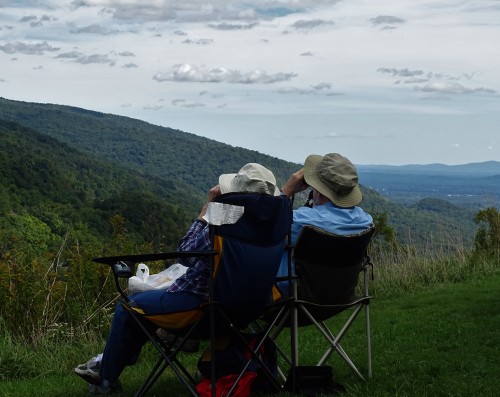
<point>197,276</point>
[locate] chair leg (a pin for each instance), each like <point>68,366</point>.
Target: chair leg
<point>290,316</point>
<point>265,333</point>
<point>169,360</point>
<point>368,340</point>
<point>335,345</point>
<point>278,327</point>
<point>335,340</point>
<point>367,319</point>
<point>155,373</point>
<point>294,347</point>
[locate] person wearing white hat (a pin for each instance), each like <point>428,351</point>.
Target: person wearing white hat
<point>125,338</point>
<point>335,196</point>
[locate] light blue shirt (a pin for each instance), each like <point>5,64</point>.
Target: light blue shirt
<point>328,217</point>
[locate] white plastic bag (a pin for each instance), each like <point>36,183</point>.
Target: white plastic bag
<point>143,281</point>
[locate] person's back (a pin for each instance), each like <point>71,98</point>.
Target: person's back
<point>335,196</point>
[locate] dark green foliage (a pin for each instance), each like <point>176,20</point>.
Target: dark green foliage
<point>55,212</point>
<point>149,218</point>
<point>429,222</point>
<point>64,188</point>
<point>158,151</point>
<point>384,231</point>
<point>487,240</point>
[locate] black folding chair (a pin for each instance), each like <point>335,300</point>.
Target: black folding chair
<point>325,284</point>
<point>245,257</point>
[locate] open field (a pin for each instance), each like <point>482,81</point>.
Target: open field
<point>440,341</point>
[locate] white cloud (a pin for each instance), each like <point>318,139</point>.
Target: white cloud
<point>202,10</point>
<point>92,29</point>
<point>307,24</point>
<point>316,89</point>
<point>190,73</point>
<point>387,20</point>
<point>198,41</point>
<point>233,26</point>
<point>449,87</point>
<point>20,47</point>
<point>401,72</point>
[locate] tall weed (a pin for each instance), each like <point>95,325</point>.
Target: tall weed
<point>66,297</point>
<point>407,268</point>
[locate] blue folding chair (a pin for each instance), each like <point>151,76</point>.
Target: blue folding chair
<point>245,257</point>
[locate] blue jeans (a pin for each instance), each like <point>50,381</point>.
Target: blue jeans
<point>126,338</point>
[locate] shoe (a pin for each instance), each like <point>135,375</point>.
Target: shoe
<point>165,337</point>
<point>90,371</point>
<point>105,387</point>
<point>189,346</point>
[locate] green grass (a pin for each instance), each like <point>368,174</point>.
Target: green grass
<point>440,341</point>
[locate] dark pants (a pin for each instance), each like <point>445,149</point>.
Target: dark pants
<point>126,338</point>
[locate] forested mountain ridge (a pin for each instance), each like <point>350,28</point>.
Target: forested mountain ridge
<point>151,149</point>
<point>52,184</point>
<point>170,168</point>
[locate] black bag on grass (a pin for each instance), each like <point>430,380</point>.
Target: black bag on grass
<point>314,380</point>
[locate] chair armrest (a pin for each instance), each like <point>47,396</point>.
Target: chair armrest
<point>122,266</point>
<point>110,260</point>
<point>287,278</point>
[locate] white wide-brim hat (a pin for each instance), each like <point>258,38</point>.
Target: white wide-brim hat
<point>251,178</point>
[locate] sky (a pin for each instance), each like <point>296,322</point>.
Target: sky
<point>379,81</point>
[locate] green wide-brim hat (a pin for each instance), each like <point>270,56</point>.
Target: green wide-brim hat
<point>335,177</point>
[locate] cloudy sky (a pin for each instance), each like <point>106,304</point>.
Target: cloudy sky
<point>380,81</point>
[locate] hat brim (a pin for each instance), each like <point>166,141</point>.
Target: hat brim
<point>226,184</point>
<point>312,179</point>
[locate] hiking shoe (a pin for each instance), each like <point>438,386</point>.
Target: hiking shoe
<point>189,346</point>
<point>105,387</point>
<point>90,371</point>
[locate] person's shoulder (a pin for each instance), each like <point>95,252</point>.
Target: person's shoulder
<point>304,212</point>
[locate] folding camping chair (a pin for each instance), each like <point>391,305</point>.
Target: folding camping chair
<point>327,270</point>
<point>248,234</point>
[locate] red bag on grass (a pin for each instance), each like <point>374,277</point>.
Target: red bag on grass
<point>224,384</point>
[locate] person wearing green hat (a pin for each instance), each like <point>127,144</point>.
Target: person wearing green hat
<point>335,198</point>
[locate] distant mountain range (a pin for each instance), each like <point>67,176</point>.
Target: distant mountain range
<point>475,185</point>
<point>487,168</point>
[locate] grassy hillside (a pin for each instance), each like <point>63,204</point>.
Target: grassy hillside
<point>441,341</point>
